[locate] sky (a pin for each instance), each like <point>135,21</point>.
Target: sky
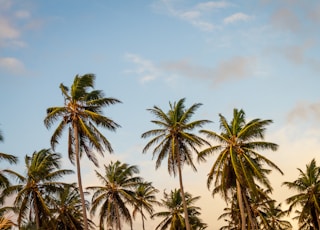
<point>261,56</point>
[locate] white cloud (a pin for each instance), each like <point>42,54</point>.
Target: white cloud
<point>236,17</point>
<point>211,5</point>
<point>11,65</point>
<point>195,15</point>
<point>145,68</point>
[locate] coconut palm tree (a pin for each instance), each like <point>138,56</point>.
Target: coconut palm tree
<point>119,183</point>
<point>67,209</point>
<point>81,114</point>
<point>174,140</point>
<point>173,216</point>
<point>145,196</point>
<point>239,164</point>
<point>308,197</point>
<point>36,186</point>
<point>4,181</point>
<point>274,217</point>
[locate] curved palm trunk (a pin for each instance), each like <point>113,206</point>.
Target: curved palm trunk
<point>77,150</point>
<point>240,203</point>
<point>186,217</point>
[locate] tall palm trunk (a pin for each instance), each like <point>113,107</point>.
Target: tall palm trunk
<point>83,202</point>
<point>142,218</point>
<point>252,220</point>
<point>186,216</point>
<point>118,220</point>
<point>36,213</point>
<point>315,218</point>
<point>240,203</point>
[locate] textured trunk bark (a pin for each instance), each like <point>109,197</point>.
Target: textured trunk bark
<point>186,217</point>
<point>240,202</point>
<point>36,213</point>
<point>77,152</point>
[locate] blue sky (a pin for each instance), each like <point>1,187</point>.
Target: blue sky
<point>258,55</point>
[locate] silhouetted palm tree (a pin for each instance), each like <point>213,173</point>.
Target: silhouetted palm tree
<point>174,140</point>
<point>36,186</point>
<point>81,113</point>
<point>67,209</point>
<point>239,165</point>
<point>173,217</point>
<point>308,197</point>
<point>117,191</point>
<point>145,196</point>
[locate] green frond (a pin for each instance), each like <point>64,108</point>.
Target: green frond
<point>9,158</point>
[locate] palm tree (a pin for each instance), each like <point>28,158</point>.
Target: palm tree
<point>308,197</point>
<point>173,215</point>
<point>175,140</point>
<point>239,165</point>
<point>274,217</point>
<point>145,196</point>
<point>38,184</point>
<point>119,183</point>
<point>4,181</point>
<point>81,113</point>
<point>67,209</point>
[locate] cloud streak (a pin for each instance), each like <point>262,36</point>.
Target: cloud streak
<point>236,17</point>
<point>143,67</point>
<point>305,111</point>
<point>197,15</point>
<point>233,69</point>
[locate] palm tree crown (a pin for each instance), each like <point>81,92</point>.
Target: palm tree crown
<point>42,171</point>
<point>83,109</point>
<point>81,113</point>
<point>174,139</point>
<point>116,192</point>
<point>145,196</point>
<point>308,196</point>
<point>172,217</point>
<point>238,164</point>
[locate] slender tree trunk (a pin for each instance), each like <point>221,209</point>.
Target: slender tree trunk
<point>83,202</point>
<point>186,216</point>
<point>252,220</point>
<point>142,219</point>
<point>36,213</point>
<point>240,203</point>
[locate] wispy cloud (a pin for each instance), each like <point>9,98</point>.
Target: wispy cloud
<point>228,70</point>
<point>285,19</point>
<point>305,111</point>
<point>236,17</point>
<point>196,15</point>
<point>143,67</point>
<point>11,65</point>
<point>7,30</point>
<point>231,69</point>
